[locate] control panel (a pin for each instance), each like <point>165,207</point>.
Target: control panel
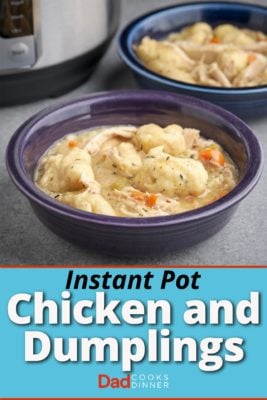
<point>17,41</point>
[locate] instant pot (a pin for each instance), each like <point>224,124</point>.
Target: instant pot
<point>48,47</point>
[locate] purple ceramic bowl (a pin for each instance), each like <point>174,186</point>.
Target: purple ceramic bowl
<point>133,236</point>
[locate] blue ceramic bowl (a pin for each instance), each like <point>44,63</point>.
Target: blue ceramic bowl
<point>247,103</point>
<point>132,236</point>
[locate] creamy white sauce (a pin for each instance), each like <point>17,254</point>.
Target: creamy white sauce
<point>132,171</point>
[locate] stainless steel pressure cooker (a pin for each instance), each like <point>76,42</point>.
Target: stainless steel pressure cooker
<point>48,47</point>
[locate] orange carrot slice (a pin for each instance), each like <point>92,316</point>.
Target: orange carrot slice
<point>212,155</point>
<point>251,58</point>
<point>72,143</point>
<point>205,154</point>
<point>215,40</point>
<point>151,200</point>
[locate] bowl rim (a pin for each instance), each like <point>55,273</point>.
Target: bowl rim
<point>128,56</point>
<point>26,185</point>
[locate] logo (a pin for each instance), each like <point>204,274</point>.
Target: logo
<point>134,381</point>
<point>105,381</point>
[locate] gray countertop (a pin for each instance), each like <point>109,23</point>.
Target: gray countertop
<point>24,240</point>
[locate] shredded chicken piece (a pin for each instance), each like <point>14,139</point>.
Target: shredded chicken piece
<point>126,158</point>
<point>94,144</point>
<point>211,75</point>
<point>191,136</point>
<point>182,54</point>
<point>217,74</point>
<point>255,35</point>
<point>252,74</point>
<point>259,47</point>
<point>201,75</point>
<point>207,53</point>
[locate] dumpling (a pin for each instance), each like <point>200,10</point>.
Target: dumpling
<point>172,176</point>
<point>232,62</point>
<point>228,33</point>
<point>264,78</point>
<point>199,33</point>
<point>86,201</point>
<point>157,55</point>
<point>62,173</point>
<point>152,135</point>
<point>100,205</point>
